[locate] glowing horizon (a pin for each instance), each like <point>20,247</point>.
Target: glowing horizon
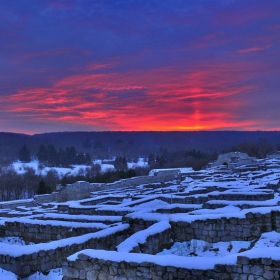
<point>103,66</point>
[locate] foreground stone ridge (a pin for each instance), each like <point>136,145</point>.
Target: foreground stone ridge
<point>85,267</point>
<point>117,231</point>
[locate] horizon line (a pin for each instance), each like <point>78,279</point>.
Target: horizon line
<point>135,131</point>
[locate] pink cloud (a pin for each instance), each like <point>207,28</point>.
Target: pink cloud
<point>254,49</point>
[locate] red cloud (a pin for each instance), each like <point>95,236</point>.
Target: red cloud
<point>159,99</point>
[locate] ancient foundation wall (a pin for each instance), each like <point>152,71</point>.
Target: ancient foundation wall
<point>149,241</point>
<point>16,203</point>
<point>42,232</point>
<point>44,258</point>
<point>93,211</point>
<point>81,190</point>
<point>86,267</point>
<point>219,229</point>
<point>155,243</point>
<point>204,198</point>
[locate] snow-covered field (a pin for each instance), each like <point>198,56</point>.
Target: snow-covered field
<point>20,167</point>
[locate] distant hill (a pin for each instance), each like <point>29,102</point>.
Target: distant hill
<point>132,144</point>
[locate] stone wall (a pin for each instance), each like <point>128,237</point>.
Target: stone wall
<point>94,211</point>
<point>204,198</point>
<point>149,241</point>
<point>44,258</point>
<point>16,203</point>
<point>215,204</point>
<point>81,190</point>
<point>42,232</point>
<point>234,159</point>
<point>155,243</point>
<point>100,199</point>
<point>218,229</point>
<point>91,268</point>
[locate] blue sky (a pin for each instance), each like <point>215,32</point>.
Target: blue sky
<point>139,65</point>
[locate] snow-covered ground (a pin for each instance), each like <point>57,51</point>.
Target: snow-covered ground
<point>13,240</point>
<point>174,200</point>
<point>200,248</point>
<point>20,167</point>
<point>54,274</point>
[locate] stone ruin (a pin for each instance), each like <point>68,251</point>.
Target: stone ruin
<point>119,230</point>
<point>235,159</point>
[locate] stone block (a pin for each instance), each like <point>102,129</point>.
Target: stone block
<point>82,275</point>
<point>208,226</point>
<point>247,232</point>
<point>233,221</point>
<point>83,257</point>
<point>25,270</point>
<point>70,272</point>
<point>133,264</point>
<point>92,275</point>
<point>45,266</point>
<point>242,260</point>
<point>256,270</point>
<point>266,261</point>
<point>268,275</point>
<point>235,276</point>
<point>42,253</point>
<point>171,269</point>
<point>246,269</point>
<point>224,276</point>
<point>113,270</point>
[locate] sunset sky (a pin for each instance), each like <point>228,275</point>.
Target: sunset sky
<point>139,65</point>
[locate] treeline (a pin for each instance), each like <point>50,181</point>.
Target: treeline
<point>50,156</point>
<point>259,149</point>
<point>107,177</point>
<point>106,145</point>
<point>188,158</point>
<point>62,157</point>
<point>198,159</point>
<point>120,163</point>
<point>15,186</point>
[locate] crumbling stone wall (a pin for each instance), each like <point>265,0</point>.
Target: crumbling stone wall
<point>42,233</point>
<point>219,229</point>
<point>203,199</point>
<point>155,243</point>
<point>80,190</point>
<point>44,260</point>
<point>16,203</point>
<point>94,211</point>
<point>245,268</point>
<point>216,230</point>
